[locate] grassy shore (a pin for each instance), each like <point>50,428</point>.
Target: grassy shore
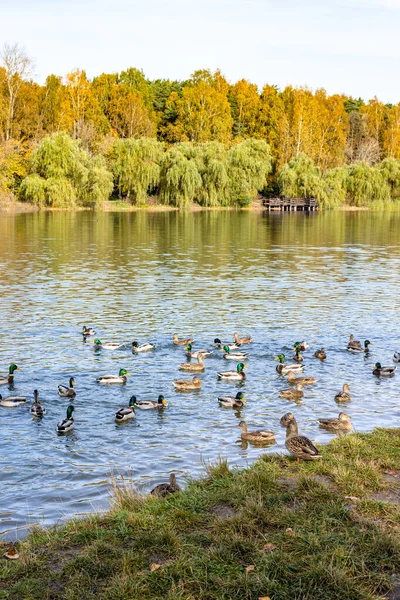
<point>280,529</point>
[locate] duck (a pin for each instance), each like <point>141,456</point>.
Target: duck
<point>260,435</point>
<point>37,410</point>
<point>359,349</point>
<point>4,379</point>
<point>107,345</point>
<point>292,394</point>
<point>228,355</point>
<point>380,371</point>
<point>188,384</point>
<point>303,380</point>
<point>353,343</point>
<point>87,332</point>
<point>65,391</point>
<point>298,445</point>
<point>235,375</point>
<point>297,356</point>
<point>242,340</point>
<point>120,378</point>
<point>67,424</point>
<point>165,489</point>
<point>194,367</point>
<point>12,401</point>
<point>182,342</point>
<point>219,344</point>
<point>232,402</point>
<point>194,354</point>
<point>343,395</point>
<point>396,357</point>
<point>136,348</point>
<point>151,404</point>
<point>321,354</point>
<point>284,369</point>
<point>342,423</point>
<point>301,346</point>
<point>124,414</point>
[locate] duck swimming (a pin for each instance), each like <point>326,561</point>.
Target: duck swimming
<point>4,379</point>
<point>380,371</point>
<point>344,395</point>
<point>342,423</point>
<point>260,435</point>
<point>107,345</point>
<point>359,349</point>
<point>151,404</point>
<point>302,380</point>
<point>321,354</point>
<point>120,378</point>
<point>194,367</point>
<point>292,394</point>
<point>187,384</point>
<point>284,369</point>
<point>242,340</point>
<point>136,348</point>
<point>220,345</point>
<point>37,410</point>
<point>87,332</point>
<point>127,413</point>
<point>237,401</point>
<point>67,424</point>
<point>301,346</point>
<point>238,375</point>
<point>194,354</point>
<point>12,401</point>
<point>182,342</point>
<point>65,391</point>
<point>353,343</point>
<point>237,356</point>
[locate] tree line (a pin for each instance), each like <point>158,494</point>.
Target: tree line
<point>78,141</point>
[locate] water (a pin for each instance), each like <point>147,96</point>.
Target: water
<point>144,277</point>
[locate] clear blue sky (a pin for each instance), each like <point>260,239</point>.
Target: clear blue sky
<point>345,46</point>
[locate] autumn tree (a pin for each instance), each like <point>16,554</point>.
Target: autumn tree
<point>17,67</point>
<point>245,106</point>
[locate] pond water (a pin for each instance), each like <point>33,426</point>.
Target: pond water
<point>145,276</point>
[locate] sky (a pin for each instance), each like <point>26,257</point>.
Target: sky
<point>345,46</point>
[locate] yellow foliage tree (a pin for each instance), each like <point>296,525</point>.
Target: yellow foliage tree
<point>245,105</point>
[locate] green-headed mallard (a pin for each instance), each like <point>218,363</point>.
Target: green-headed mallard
<point>220,345</point>
<point>66,424</point>
<point>359,349</point>
<point>380,371</point>
<point>182,342</point>
<point>12,401</point>
<point>353,343</point>
<point>124,414</point>
<point>321,354</point>
<point>298,445</point>
<point>284,369</point>
<point>165,489</point>
<point>303,380</point>
<point>107,345</point>
<point>4,379</point>
<point>120,378</point>
<point>231,401</point>
<point>194,354</point>
<point>344,395</point>
<point>67,392</point>
<point>187,384</point>
<point>237,356</point>
<point>297,356</point>
<point>194,367</point>
<point>37,410</point>
<point>136,348</point>
<point>261,435</point>
<point>342,423</point>
<point>292,394</point>
<point>301,346</point>
<point>237,375</point>
<point>242,340</point>
<point>151,404</point>
<point>87,331</point>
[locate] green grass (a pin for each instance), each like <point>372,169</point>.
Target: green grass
<point>291,521</point>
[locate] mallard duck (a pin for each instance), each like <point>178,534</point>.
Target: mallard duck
<point>396,357</point>
<point>120,378</point>
<point>298,445</point>
<point>380,371</point>
<point>236,375</point>
<point>164,489</point>
<point>301,346</point>
<point>183,342</point>
<point>195,354</point>
<point>297,356</point>
<point>232,402</point>
<point>37,410</point>
<point>65,391</point>
<point>124,414</point>
<point>12,401</point>
<point>4,379</point>
<point>86,332</point>
<point>342,423</point>
<point>353,343</point>
<point>151,404</point>
<point>284,369</point>
<point>242,340</point>
<point>66,424</point>
<point>321,354</point>
<point>188,384</point>
<point>228,355</point>
<point>291,394</point>
<point>142,348</point>
<point>303,380</point>
<point>359,349</point>
<point>194,367</point>
<point>220,345</point>
<point>344,395</point>
<point>256,436</point>
<point>107,345</point>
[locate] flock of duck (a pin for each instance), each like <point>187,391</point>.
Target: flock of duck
<point>298,445</point>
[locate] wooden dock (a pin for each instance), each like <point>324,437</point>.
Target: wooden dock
<point>304,204</point>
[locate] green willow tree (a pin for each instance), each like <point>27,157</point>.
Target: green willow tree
<point>248,167</point>
<point>180,180</point>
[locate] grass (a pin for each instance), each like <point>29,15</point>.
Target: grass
<point>327,530</point>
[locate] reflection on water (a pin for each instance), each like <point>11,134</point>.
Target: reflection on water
<point>145,276</point>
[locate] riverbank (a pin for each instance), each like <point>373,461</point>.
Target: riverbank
<point>279,529</point>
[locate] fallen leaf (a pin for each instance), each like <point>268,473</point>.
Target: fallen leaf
<point>250,568</point>
<point>11,554</point>
<point>352,498</point>
<point>269,547</point>
<point>289,531</point>
<point>154,567</point>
